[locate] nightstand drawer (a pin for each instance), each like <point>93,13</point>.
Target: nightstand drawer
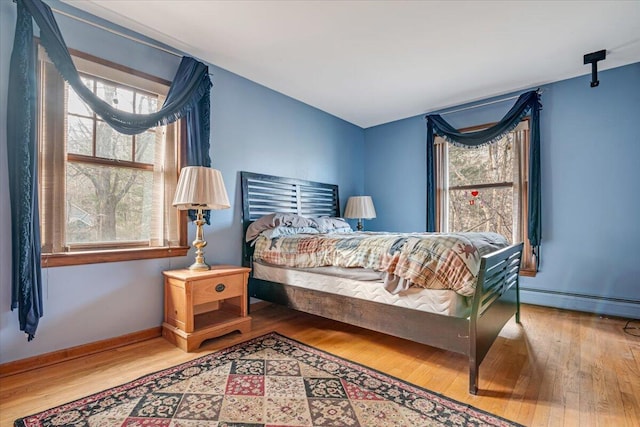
<point>216,289</point>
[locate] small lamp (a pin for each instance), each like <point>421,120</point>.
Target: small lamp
<point>360,207</point>
<point>200,188</point>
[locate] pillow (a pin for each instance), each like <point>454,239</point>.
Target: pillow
<point>326,224</point>
<point>274,220</point>
<point>280,231</point>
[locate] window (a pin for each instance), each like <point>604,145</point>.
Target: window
<point>105,196</point>
<point>485,188</point>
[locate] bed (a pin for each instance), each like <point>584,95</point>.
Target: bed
<point>440,318</point>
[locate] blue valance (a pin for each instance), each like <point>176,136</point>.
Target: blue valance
<point>189,85</point>
<point>188,97</point>
<point>527,102</point>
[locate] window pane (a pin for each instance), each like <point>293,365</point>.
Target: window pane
<point>489,209</point>
<point>146,147</point>
<point>111,144</point>
<point>79,135</point>
<point>107,204</point>
<point>117,97</point>
<point>487,164</point>
<point>75,104</point>
<point>146,104</point>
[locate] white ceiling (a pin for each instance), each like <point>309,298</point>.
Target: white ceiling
<point>372,62</point>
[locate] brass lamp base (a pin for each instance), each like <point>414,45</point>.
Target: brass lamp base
<point>199,243</point>
<point>199,266</point>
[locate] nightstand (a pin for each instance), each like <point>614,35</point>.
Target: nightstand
<point>199,305</point>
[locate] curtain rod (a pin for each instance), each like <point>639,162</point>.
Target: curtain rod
<point>118,33</point>
<point>496,101</point>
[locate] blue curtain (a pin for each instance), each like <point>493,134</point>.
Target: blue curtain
<point>527,102</point>
<point>198,129</point>
<point>189,97</point>
<point>22,151</point>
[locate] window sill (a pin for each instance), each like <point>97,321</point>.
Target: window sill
<point>528,272</point>
<point>96,257</point>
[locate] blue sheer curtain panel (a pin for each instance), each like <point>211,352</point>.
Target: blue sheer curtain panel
<point>527,102</point>
<point>189,97</point>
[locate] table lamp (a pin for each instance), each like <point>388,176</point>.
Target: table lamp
<point>200,188</point>
<point>360,207</point>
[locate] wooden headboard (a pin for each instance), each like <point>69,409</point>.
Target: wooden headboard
<point>265,194</point>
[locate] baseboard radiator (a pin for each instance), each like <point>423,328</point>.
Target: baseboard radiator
<point>597,304</point>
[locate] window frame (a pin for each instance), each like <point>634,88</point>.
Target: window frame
<point>528,265</point>
<point>92,254</point>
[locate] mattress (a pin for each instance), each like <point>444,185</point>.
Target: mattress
<point>426,260</point>
<point>367,285</point>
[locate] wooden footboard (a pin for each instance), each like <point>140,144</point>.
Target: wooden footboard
<point>496,300</point>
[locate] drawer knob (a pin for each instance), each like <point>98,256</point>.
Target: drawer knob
<point>220,287</point>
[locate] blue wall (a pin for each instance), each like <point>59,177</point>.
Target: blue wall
<point>590,176</point>
<point>590,149</point>
<point>253,129</point>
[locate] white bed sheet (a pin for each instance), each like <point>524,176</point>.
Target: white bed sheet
<point>371,288</point>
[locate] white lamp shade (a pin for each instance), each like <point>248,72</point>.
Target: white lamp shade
<point>200,187</point>
<point>360,207</point>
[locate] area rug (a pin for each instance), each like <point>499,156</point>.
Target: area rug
<point>267,381</point>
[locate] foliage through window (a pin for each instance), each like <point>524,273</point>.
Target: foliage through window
<point>109,176</point>
<point>485,188</point>
<point>102,190</point>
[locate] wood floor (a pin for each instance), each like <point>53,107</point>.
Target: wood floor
<point>558,368</point>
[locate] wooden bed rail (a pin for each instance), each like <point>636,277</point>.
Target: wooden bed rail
<point>496,300</point>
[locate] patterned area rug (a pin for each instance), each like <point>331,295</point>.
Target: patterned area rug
<point>267,381</point>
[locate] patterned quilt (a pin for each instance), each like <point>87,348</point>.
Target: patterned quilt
<point>428,260</point>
